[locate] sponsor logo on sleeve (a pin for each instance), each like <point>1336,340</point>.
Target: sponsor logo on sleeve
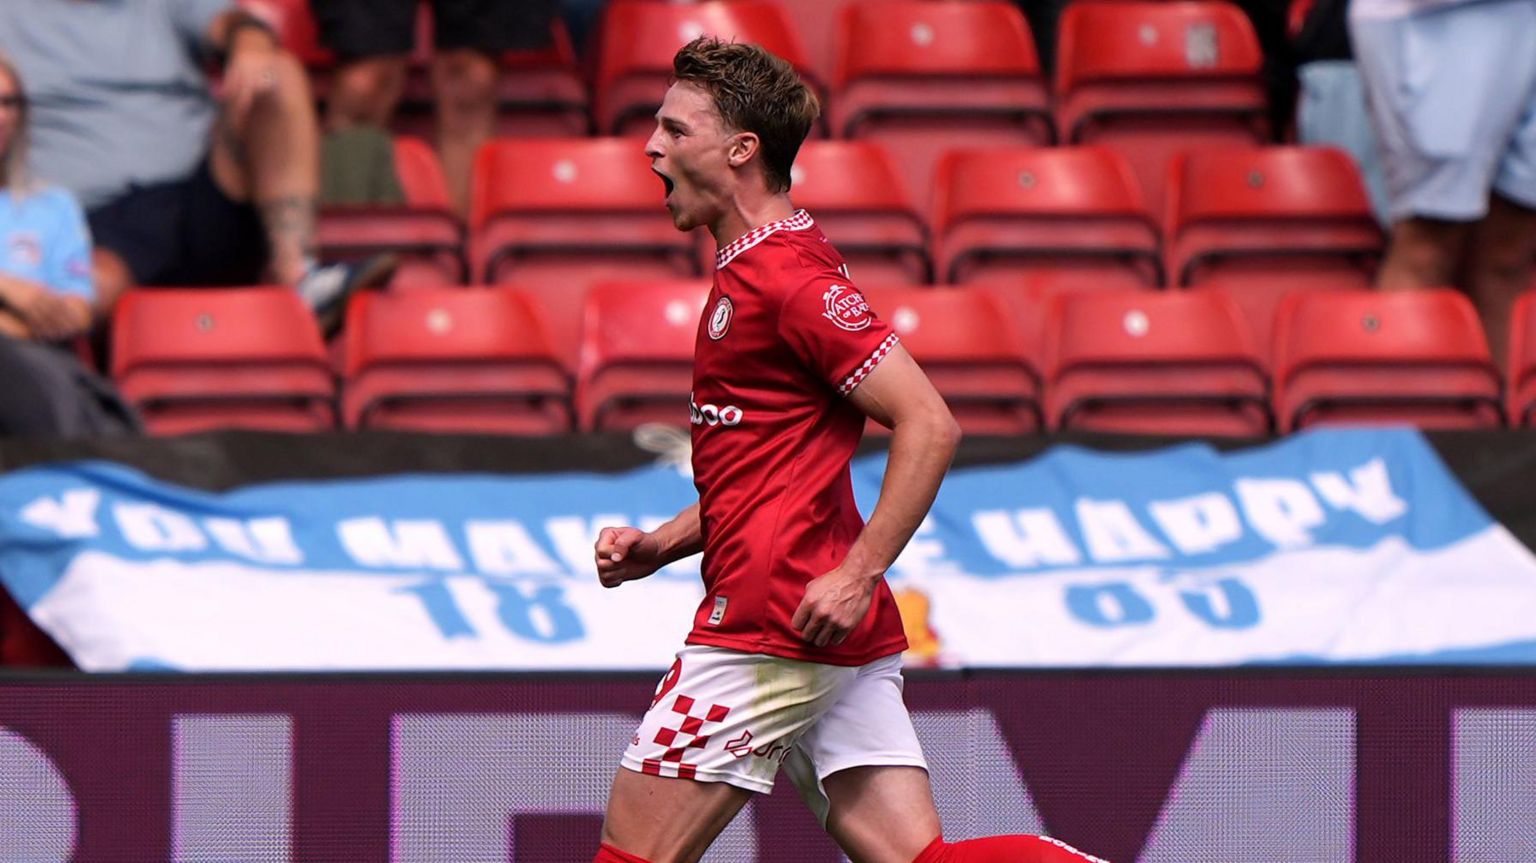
<point>847,308</point>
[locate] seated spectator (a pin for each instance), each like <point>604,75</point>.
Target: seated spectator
<point>180,188</point>
<point>374,38</point>
<point>1451,86</point>
<point>46,296</point>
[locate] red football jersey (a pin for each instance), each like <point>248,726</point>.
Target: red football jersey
<point>783,339</point>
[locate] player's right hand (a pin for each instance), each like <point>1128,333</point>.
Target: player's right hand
<point>625,554</point>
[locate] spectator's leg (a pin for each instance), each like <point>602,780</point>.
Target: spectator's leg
<point>1502,259</point>
<point>373,40</point>
<point>470,37</point>
<point>26,408</point>
<point>273,160</point>
<point>1423,253</point>
<point>465,81</point>
<point>113,278</point>
<point>365,92</point>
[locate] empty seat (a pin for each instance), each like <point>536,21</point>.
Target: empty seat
<point>817,23</point>
<point>855,194</point>
<point>1153,363</point>
<point>1258,297</point>
<point>1155,78</point>
<point>562,313</point>
<point>976,354</point>
<point>197,359</point>
<point>1277,212</point>
<point>1522,361</point>
<point>1415,357</point>
<point>921,76</point>
<point>423,230</point>
<point>1058,217</point>
<point>570,212</point>
<point>637,354</point>
<point>637,40</point>
<point>452,360</point>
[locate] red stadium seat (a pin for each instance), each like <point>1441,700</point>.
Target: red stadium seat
<point>1258,297</point>
<point>1155,78</point>
<point>922,76</point>
<point>197,359</point>
<point>853,191</point>
<point>562,313</point>
<point>423,231</point>
<point>452,360</point>
<point>637,354</point>
<point>1415,357</point>
<point>1522,361</point>
<point>1153,363</point>
<point>636,42</point>
<point>976,354</point>
<point>570,212</point>
<point>1277,212</point>
<point>1057,217</point>
<point>817,22</point>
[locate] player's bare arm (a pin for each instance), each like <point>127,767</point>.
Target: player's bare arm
<point>629,553</point>
<point>924,436</point>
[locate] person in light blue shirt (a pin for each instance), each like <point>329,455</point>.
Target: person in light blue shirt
<point>46,291</point>
<point>46,297</point>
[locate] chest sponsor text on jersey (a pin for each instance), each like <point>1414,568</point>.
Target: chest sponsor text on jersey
<point>713,415</point>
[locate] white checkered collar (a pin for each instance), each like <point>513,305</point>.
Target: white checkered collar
<point>798,221</point>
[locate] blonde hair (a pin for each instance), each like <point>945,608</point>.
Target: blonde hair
<point>13,162</point>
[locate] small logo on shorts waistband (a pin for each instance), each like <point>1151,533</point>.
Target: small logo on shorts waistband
<point>719,613</point>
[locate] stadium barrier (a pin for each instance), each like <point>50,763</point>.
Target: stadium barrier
<point>1256,766</point>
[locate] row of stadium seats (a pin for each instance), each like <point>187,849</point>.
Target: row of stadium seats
<point>1177,362</point>
<point>580,211</point>
<point>1146,77</point>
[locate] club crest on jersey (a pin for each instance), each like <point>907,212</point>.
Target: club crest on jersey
<point>720,318</point>
<point>847,308</point>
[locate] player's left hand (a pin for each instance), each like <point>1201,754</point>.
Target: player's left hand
<point>834,604</point>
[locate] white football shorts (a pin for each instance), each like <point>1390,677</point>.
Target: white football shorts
<point>725,716</point>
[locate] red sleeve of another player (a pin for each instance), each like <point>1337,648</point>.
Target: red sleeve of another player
<point>832,330</point>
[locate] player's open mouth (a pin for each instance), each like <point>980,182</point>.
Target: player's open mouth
<point>666,181</point>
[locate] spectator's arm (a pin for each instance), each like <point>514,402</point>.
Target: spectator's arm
<point>12,326</point>
<point>67,256</point>
<point>41,313</point>
<point>236,30</point>
<point>253,57</point>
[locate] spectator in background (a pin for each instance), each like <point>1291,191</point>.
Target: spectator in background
<point>179,189</point>
<point>46,296</point>
<point>374,38</point>
<point>1451,86</point>
<point>1330,108</point>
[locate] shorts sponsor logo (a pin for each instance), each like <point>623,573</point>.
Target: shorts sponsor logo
<point>741,747</point>
<point>714,415</point>
<point>720,318</point>
<point>847,308</point>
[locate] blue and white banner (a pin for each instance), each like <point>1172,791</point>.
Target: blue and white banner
<point>1340,546</point>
